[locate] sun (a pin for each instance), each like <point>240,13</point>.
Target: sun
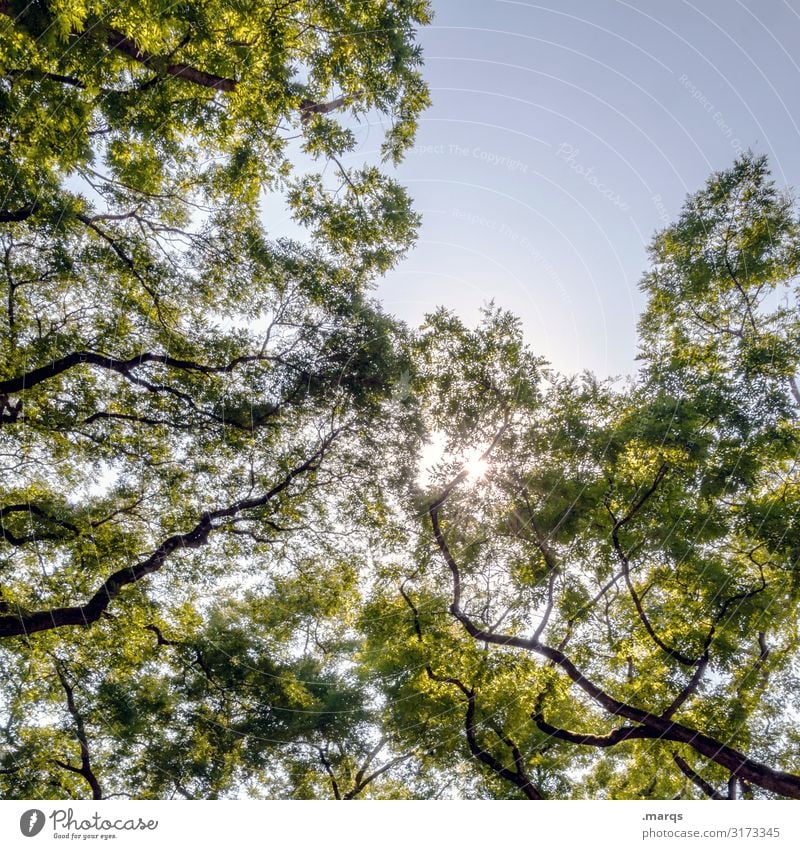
<point>477,468</point>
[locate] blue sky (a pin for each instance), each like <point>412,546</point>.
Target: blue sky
<point>563,135</point>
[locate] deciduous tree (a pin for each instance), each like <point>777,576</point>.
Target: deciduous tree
<point>188,404</point>
<point>614,602</point>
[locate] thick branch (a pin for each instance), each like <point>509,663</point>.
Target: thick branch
<point>20,214</point>
<point>46,75</point>
<point>696,779</point>
<point>85,614</point>
<point>618,735</point>
<point>161,640</point>
<point>123,367</point>
<point>310,107</point>
<point>516,777</point>
<point>118,41</point>
<point>371,755</point>
<point>776,781</point>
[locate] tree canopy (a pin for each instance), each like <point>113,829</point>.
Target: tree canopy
<point>223,571</point>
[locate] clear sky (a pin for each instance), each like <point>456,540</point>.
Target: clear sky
<point>564,134</point>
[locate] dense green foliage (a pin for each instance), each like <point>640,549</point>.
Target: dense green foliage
<point>626,570</point>
<point>221,571</point>
<point>190,406</point>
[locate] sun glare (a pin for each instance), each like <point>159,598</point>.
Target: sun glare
<point>434,455</point>
<point>477,468</point>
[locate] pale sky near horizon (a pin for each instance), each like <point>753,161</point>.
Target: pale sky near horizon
<point>563,135</point>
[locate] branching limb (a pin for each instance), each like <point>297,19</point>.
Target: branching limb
<point>121,366</point>
<point>85,770</point>
<point>518,776</point>
<point>362,780</point>
<point>198,536</point>
<point>696,779</point>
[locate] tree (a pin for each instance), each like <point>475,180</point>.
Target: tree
<point>220,571</point>
<point>157,99</point>
<point>624,575</point>
<point>188,405</point>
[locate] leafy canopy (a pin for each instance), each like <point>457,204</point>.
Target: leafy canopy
<point>190,408</point>
<point>623,579</point>
<point>221,571</point>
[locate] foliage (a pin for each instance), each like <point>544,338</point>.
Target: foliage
<point>629,560</point>
<point>222,571</point>
<point>191,409</point>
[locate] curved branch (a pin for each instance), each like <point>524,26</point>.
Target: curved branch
<point>619,735</point>
<point>675,654</point>
<point>363,781</point>
<point>696,779</point>
<point>518,777</point>
<point>85,769</point>
<point>85,614</point>
<point>371,755</point>
<point>776,781</point>
<point>310,107</point>
<point>37,75</point>
<point>31,510</point>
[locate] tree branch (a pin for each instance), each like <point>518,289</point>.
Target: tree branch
<point>363,781</point>
<point>112,363</point>
<point>122,43</point>
<point>20,214</point>
<point>327,766</point>
<point>85,769</point>
<point>690,688</point>
<point>675,654</point>
<point>619,735</point>
<point>696,779</point>
<point>85,614</point>
<point>518,777</point>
